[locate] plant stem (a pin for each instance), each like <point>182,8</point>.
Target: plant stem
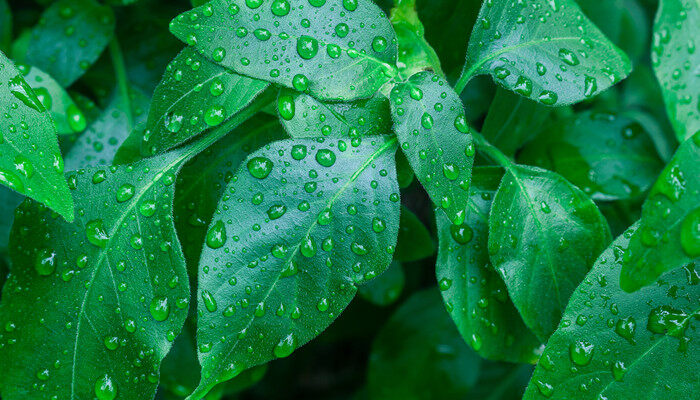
<point>122,81</point>
<point>491,151</point>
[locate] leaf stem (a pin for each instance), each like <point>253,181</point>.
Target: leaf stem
<point>122,81</point>
<point>491,151</point>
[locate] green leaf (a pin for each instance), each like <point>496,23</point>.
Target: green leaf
<point>30,161</point>
<point>194,95</point>
<point>609,156</point>
<point>619,345</point>
<point>419,355</point>
<point>331,51</point>
<point>415,242</point>
<point>675,62</point>
<point>93,304</point>
<point>544,235</point>
<point>100,141</point>
<point>473,292</point>
<point>430,124</point>
<point>404,172</point>
<point>303,222</point>
<point>546,50</point>
<point>385,289</point>
<point>5,26</point>
<point>415,53</point>
<point>69,38</point>
<point>9,200</point>
<point>669,233</point>
<point>304,117</point>
<point>66,115</point>
<point>512,121</point>
<point>202,182</point>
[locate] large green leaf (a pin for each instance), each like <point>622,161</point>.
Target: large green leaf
<point>669,233</point>
<point>202,182</point>
<point>194,95</point>
<point>432,129</point>
<point>418,355</point>
<point>676,63</point>
<point>69,38</point>
<point>91,308</point>
<point>100,141</point>
<point>30,160</point>
<point>473,292</point>
<point>609,156</point>
<point>544,235</point>
<point>5,26</point>
<point>617,345</point>
<point>546,50</point>
<point>341,50</point>
<point>512,121</point>
<point>415,53</point>
<point>304,117</point>
<point>302,223</point>
<point>66,115</point>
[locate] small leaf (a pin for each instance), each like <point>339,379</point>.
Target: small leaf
<point>415,242</point>
<point>609,156</point>
<point>669,231</point>
<point>194,95</point>
<point>69,38</point>
<point>512,121</point>
<point>415,53</point>
<point>304,117</point>
<point>30,160</point>
<point>546,50</point>
<point>100,141</point>
<point>544,235</point>
<point>87,299</point>
<point>474,294</point>
<point>385,289</point>
<point>619,345</point>
<point>292,221</point>
<point>676,61</point>
<point>331,51</point>
<point>420,333</point>
<point>432,129</point>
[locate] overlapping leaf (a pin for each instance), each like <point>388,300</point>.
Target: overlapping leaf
<point>30,161</point>
<point>546,50</point>
<point>676,63</point>
<point>69,38</point>
<point>609,156</point>
<point>302,223</point>
<point>544,235</point>
<point>669,232</point>
<point>433,132</point>
<point>333,50</point>
<point>415,53</point>
<point>473,292</point>
<point>91,308</point>
<point>618,345</point>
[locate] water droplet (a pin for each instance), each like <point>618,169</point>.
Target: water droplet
<point>216,236</point>
<point>125,192</point>
<point>285,346</point>
<point>105,389</point>
<point>160,309</point>
<point>325,157</point>
<point>260,167</point>
<point>96,234</point>
<point>462,234</point>
<point>45,262</point>
<point>581,352</point>
<point>209,301</point>
<point>307,47</point>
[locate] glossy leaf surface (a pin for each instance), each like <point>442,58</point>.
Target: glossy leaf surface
<point>421,333</point>
<point>69,38</point>
<point>303,222</point>
<point>30,160</point>
<point>608,156</point>
<point>433,134</point>
<point>619,345</point>
<point>305,117</point>
<point>474,294</point>
<point>676,63</point>
<point>544,235</point>
<point>669,233</point>
<point>194,95</point>
<point>86,300</point>
<point>546,50</point>
<point>341,50</point>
